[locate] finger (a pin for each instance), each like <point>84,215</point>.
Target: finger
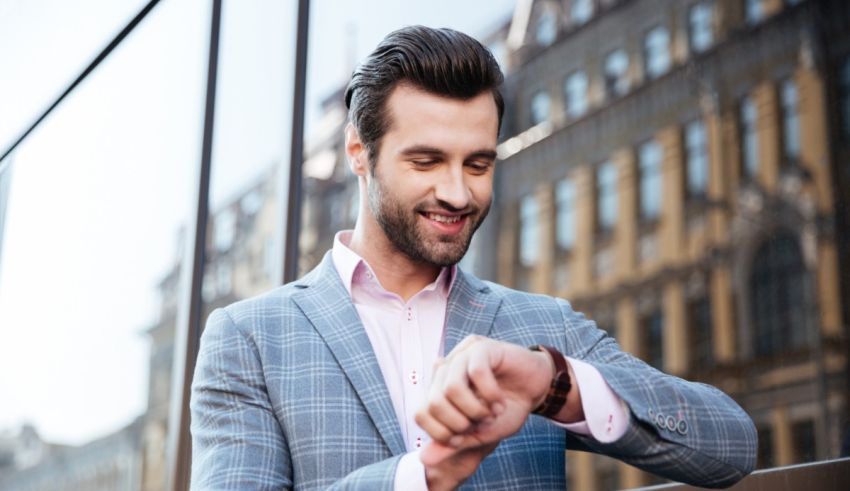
<point>462,395</point>
<point>452,384</point>
<point>436,428</point>
<point>480,374</point>
<point>435,452</point>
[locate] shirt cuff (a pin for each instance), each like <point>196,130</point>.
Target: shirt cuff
<point>606,415</point>
<point>410,473</point>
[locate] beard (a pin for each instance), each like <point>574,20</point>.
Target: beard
<point>402,227</point>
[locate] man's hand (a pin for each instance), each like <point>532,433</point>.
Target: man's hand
<point>482,393</point>
<point>454,466</point>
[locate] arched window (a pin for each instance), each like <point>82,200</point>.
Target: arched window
<point>779,296</point>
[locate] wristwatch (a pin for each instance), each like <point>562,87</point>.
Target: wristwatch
<point>560,386</point>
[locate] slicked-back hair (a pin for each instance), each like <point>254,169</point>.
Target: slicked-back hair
<point>442,61</point>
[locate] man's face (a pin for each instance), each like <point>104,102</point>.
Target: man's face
<point>432,184</point>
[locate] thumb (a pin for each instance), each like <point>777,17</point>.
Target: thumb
<point>435,452</point>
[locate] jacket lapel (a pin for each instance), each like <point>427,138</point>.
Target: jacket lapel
<point>471,309</point>
<point>325,302</point>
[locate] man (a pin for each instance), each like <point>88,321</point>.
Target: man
<point>337,381</point>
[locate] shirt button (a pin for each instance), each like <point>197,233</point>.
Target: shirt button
<point>413,377</point>
<point>418,442</point>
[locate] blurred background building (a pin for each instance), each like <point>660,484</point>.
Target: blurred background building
<point>677,169</point>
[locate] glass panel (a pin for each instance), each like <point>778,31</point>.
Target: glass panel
<point>616,72</point>
<point>46,44</point>
<point>701,26</point>
<point>753,11</point>
<point>565,197</point>
<point>656,50</point>
<point>540,105</point>
<point>649,162</point>
<point>606,190</point>
<point>576,94</point>
<point>529,236</point>
<point>653,328</point>
<point>749,138</point>
<point>697,158</point>
<point>547,28</point>
<point>89,267</point>
<point>581,11</point>
<point>790,120</point>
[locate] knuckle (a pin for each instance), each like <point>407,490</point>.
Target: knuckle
<point>454,389</point>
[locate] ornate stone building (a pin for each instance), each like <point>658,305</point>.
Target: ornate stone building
<point>674,168</point>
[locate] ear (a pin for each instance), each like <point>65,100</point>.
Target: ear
<point>358,155</point>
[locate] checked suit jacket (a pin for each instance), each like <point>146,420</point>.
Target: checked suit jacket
<point>288,394</point>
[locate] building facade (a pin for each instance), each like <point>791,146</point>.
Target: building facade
<point>673,169</point>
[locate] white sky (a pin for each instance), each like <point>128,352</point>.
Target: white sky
<point>100,188</point>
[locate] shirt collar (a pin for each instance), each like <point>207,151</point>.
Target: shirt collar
<point>347,263</point>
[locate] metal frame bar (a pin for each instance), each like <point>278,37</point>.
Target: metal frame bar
<point>134,22</point>
<point>188,329</point>
<point>296,156</point>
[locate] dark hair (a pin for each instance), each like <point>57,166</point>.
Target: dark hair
<point>441,61</point>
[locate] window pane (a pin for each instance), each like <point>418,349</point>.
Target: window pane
<point>653,329</point>
<point>697,158</point>
<point>90,266</point>
<point>36,49</point>
<point>649,162</point>
<point>565,197</point>
<point>540,106</point>
<point>616,72</point>
<point>606,195</point>
<point>790,120</point>
<point>779,295</point>
<point>529,231</point>
<point>701,27</point>
<point>753,11</point>
<point>657,52</point>
<point>576,94</point>
<point>581,11</point>
<point>749,138</point>
<point>547,28</point>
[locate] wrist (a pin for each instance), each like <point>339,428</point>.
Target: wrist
<point>560,383</point>
<point>547,367</point>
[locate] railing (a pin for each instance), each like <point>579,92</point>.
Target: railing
<point>829,475</point>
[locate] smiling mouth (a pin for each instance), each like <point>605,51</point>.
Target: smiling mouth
<point>443,218</point>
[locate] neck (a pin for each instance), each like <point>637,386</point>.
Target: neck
<point>395,270</point>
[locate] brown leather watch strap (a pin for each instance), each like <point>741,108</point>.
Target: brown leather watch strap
<point>560,386</point>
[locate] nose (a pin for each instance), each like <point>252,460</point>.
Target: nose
<point>451,191</point>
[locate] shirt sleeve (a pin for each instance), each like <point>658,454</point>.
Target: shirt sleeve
<point>410,473</point>
<point>606,415</point>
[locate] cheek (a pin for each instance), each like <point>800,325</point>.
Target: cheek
<point>482,191</point>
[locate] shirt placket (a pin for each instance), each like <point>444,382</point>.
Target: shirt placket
<point>414,389</point>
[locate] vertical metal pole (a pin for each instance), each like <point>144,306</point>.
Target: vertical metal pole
<point>188,329</point>
<point>292,222</point>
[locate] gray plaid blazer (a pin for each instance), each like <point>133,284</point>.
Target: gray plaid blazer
<point>288,394</point>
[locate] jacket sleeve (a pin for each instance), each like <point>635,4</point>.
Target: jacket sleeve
<point>685,431</point>
<point>237,441</point>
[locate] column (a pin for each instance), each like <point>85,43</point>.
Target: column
<point>625,233</point>
<point>541,280</point>
<point>676,352</point>
<point>582,261</point>
<point>767,125</point>
<point>722,314</point>
<point>673,203</point>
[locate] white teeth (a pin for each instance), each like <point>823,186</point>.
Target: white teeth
<point>443,218</point>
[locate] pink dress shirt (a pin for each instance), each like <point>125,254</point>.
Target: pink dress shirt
<point>407,338</point>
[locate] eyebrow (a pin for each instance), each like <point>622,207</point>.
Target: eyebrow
<point>426,150</point>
